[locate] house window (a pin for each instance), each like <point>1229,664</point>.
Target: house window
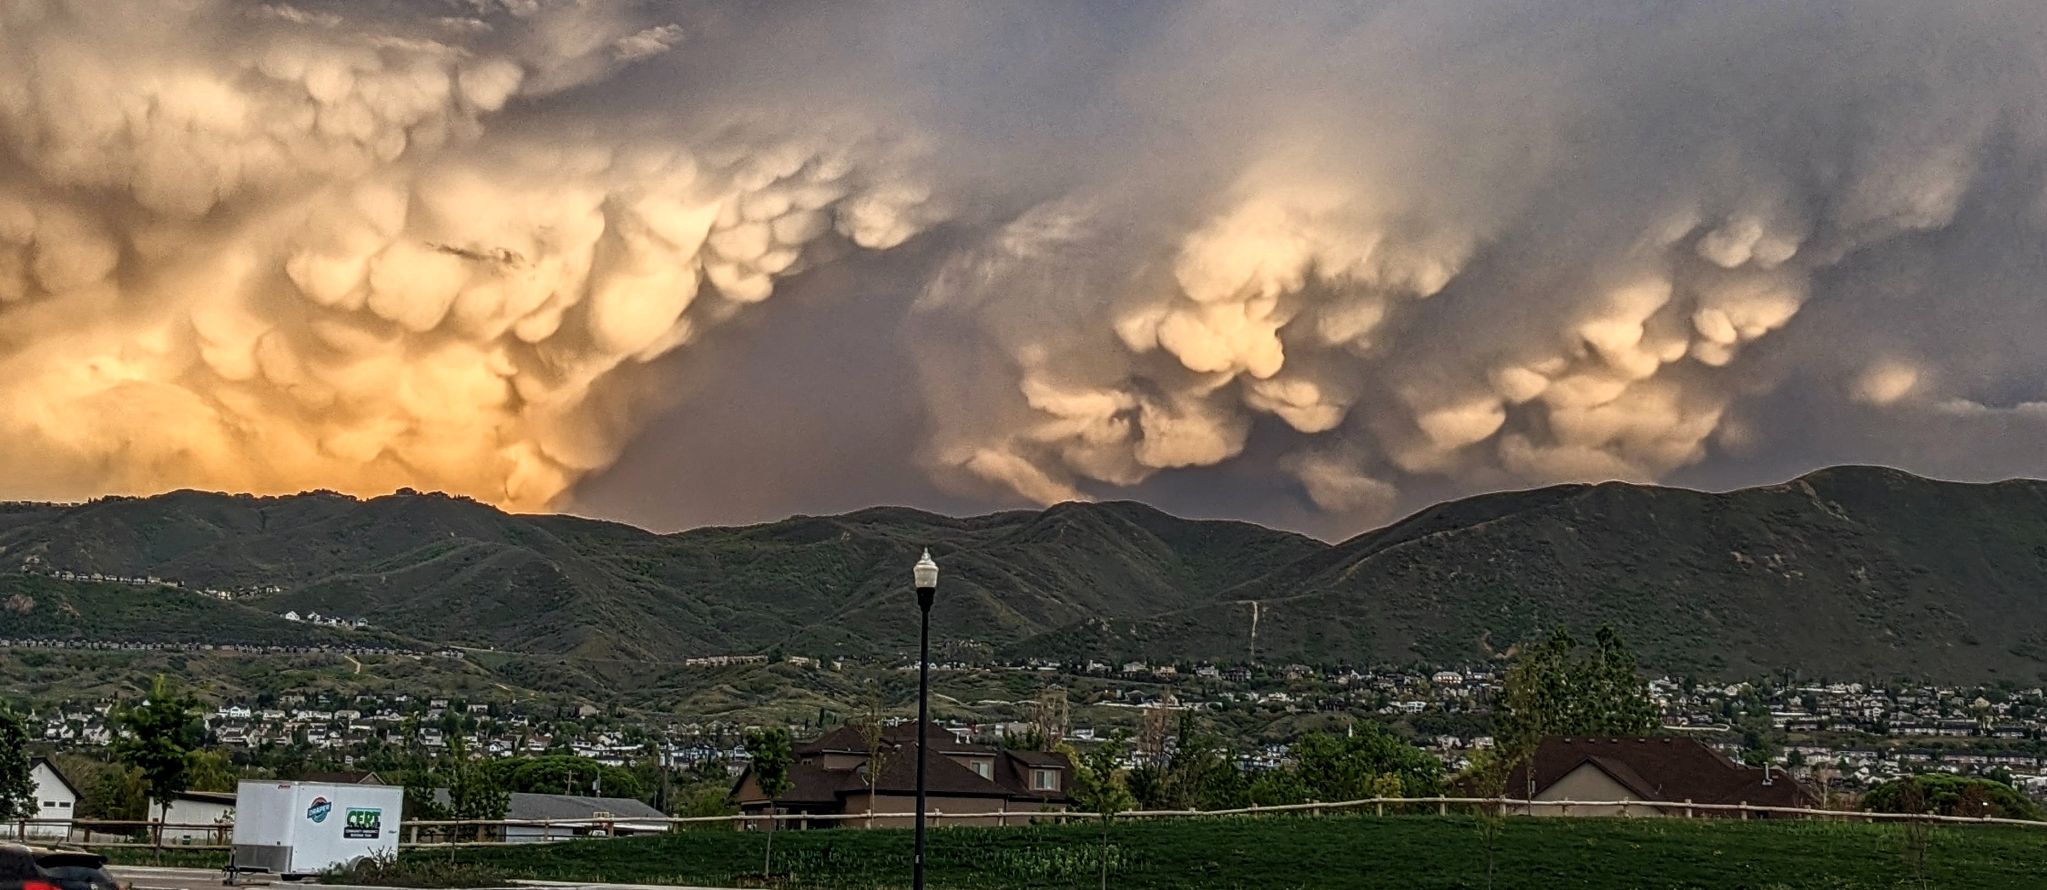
<point>1044,780</point>
<point>984,769</point>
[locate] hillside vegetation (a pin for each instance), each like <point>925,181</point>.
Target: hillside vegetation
<point>1851,571</point>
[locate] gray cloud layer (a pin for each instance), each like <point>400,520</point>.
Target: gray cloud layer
<point>1316,263</point>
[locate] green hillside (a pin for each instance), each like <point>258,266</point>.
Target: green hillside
<point>1851,571</point>
<point>1848,571</point>
<point>38,608</point>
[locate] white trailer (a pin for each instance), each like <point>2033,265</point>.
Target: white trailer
<point>299,829</point>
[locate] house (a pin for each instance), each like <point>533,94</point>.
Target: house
<point>55,798</point>
<point>570,816</point>
<point>196,817</point>
<point>1653,769</point>
<point>347,777</point>
<point>829,776</point>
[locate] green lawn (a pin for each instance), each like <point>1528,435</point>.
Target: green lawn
<point>1412,853</point>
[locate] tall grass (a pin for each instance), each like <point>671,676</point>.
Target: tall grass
<point>1420,852</point>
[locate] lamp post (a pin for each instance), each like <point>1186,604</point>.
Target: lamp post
<point>926,574</point>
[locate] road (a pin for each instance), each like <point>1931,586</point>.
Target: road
<point>154,878</point>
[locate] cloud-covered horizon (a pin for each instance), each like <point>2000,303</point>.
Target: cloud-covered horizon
<point>1315,265</point>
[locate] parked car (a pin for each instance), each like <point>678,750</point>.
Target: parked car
<point>18,870</point>
<point>76,870</point>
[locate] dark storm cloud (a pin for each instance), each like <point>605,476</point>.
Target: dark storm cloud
<point>1314,263</point>
<point>1329,262</point>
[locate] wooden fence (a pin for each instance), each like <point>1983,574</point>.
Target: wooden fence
<point>493,832</point>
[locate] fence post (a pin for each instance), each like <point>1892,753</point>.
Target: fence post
<point>1624,809</point>
<point>1382,808</point>
<point>1689,813</point>
<point>1442,808</point>
<point>1744,811</point>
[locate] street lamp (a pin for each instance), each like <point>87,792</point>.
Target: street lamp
<point>926,575</point>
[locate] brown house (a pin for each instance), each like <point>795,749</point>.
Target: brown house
<point>830,776</point>
<point>1655,770</point>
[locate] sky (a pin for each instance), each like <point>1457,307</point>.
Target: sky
<point>1313,264</point>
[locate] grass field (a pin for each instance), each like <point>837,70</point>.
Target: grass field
<point>1418,852</point>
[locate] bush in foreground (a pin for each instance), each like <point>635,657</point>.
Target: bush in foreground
<point>1947,795</point>
<point>421,871</point>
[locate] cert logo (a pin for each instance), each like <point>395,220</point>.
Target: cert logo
<point>363,823</point>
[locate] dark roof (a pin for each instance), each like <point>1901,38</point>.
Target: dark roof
<point>348,777</point>
<point>812,783</point>
<point>223,797</point>
<point>1662,768</point>
<point>1042,758</point>
<point>852,739</point>
<point>564,807</point>
<point>45,761</point>
<point>943,776</point>
<point>575,806</point>
<point>1013,771</point>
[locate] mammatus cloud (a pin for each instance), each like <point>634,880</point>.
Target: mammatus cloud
<point>1497,248</point>
<point>1381,251</point>
<point>365,245</point>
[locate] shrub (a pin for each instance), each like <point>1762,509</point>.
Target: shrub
<point>1947,795</point>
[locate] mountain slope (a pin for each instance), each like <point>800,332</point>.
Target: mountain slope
<point>1852,571</point>
<point>452,570</point>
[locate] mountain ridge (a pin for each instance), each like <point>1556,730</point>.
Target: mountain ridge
<point>1848,570</point>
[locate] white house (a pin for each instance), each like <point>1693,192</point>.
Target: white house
<point>56,801</point>
<point>197,817</point>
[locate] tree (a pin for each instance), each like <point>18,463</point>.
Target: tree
<point>156,738</point>
<point>108,791</point>
<point>1050,715</point>
<point>877,753</point>
<point>1369,762</point>
<point>1530,703</point>
<point>770,750</point>
<point>1554,689</point>
<point>474,792</point>
<point>1949,795</point>
<point>1618,703</point>
<point>211,771</point>
<point>1099,786</point>
<point>17,784</point>
<point>1153,733</point>
<point>1277,786</point>
<point>565,774</point>
<point>1202,773</point>
<point>1486,776</point>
